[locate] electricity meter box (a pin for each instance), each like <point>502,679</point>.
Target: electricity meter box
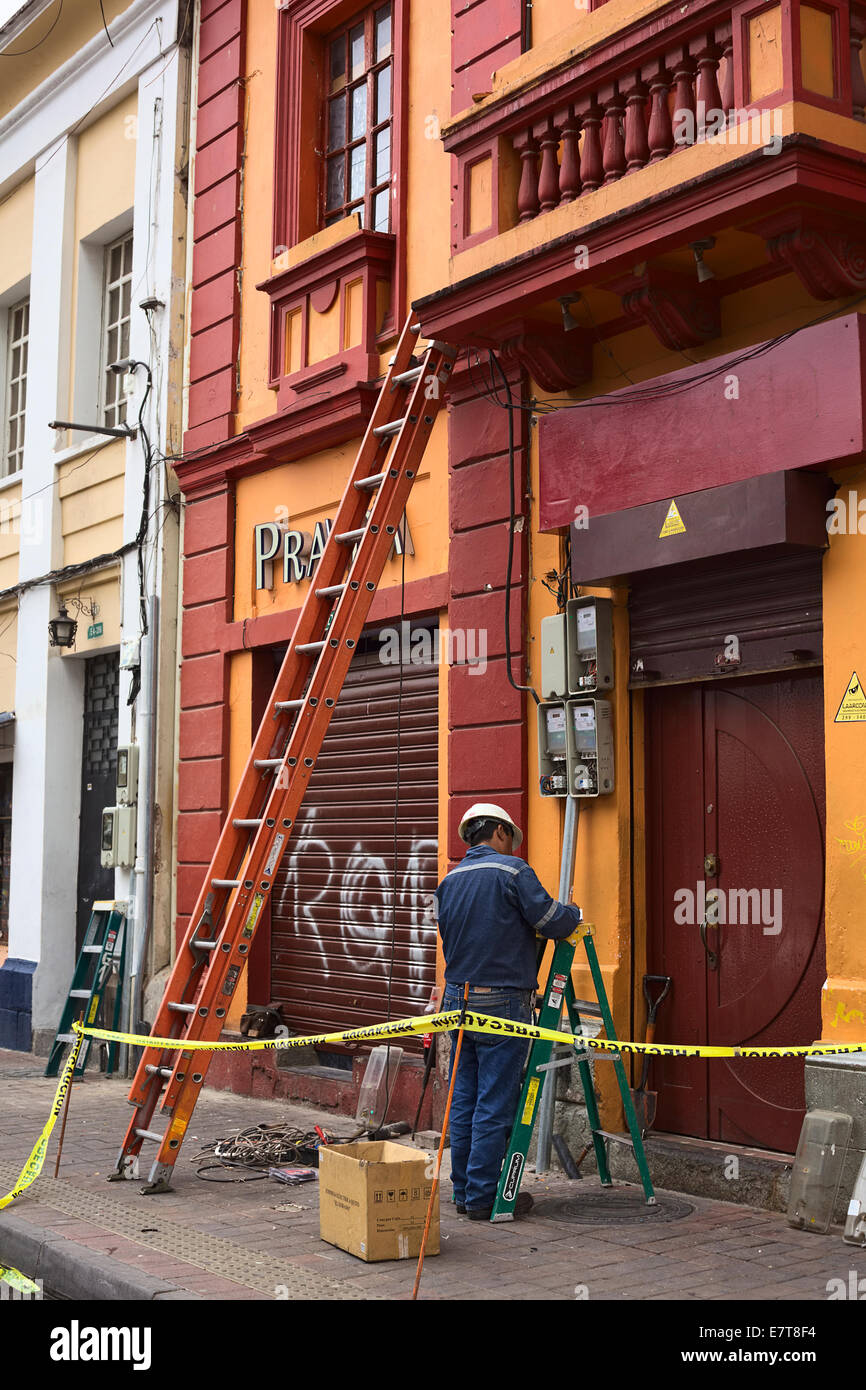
<point>127,774</point>
<point>589,747</point>
<point>552,750</point>
<point>588,646</point>
<point>117,845</point>
<point>554,677</point>
<point>575,748</point>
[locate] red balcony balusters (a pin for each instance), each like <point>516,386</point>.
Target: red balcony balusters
<point>527,194</point>
<point>569,169</point>
<point>613,155</point>
<point>637,151</point>
<point>591,159</point>
<point>660,134</point>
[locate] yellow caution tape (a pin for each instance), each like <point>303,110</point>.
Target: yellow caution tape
<point>399,1028</point>
<point>33,1167</point>
<point>474,1023</point>
<point>14,1277</point>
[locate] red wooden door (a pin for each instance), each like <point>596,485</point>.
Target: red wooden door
<point>736,772</point>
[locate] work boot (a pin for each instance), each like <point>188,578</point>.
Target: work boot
<point>522,1206</point>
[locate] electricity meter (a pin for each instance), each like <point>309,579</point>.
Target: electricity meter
<point>117,842</point>
<point>127,774</point>
<point>552,749</point>
<point>589,747</point>
<point>589,645</point>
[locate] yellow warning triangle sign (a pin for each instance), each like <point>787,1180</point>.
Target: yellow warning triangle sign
<point>673,524</point>
<point>853,707</point>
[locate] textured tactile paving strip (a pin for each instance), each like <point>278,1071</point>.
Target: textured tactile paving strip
<point>252,1269</point>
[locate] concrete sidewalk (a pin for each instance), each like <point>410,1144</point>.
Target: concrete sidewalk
<point>258,1240</point>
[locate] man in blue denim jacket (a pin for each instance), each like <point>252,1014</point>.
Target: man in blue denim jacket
<point>489,910</point>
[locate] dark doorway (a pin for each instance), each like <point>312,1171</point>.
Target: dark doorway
<point>735,803</point>
<point>98,783</point>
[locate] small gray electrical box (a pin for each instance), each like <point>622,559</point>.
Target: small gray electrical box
<point>589,645</point>
<point>552,749</point>
<point>575,748</point>
<point>554,677</point>
<point>589,747</point>
<point>127,774</point>
<point>117,844</point>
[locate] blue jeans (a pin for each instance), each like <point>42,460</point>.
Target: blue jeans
<point>486,1092</point>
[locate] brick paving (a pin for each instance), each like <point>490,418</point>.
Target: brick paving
<point>720,1252</point>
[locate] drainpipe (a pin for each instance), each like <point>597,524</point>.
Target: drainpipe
<point>147,789</point>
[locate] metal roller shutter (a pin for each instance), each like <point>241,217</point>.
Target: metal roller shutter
<point>681,618</point>
<point>331,922</point>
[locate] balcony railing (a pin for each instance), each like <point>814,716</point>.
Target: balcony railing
<point>640,95</point>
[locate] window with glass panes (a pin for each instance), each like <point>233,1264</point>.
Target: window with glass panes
<point>118,296</point>
<point>16,386</point>
<point>358,121</point>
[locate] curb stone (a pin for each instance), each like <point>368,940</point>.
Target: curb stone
<point>73,1271</point>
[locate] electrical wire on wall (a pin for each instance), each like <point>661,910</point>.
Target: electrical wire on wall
<point>494,362</point>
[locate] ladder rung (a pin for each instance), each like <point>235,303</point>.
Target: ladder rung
<point>393,427</point>
<point>150,1134</point>
<point>225,883</point>
<point>349,538</point>
<point>91,950</point>
<point>289,704</point>
<point>203,944</point>
<point>405,378</point>
<point>157,1071</point>
<point>310,646</point>
<point>587,1006</point>
<point>246,824</point>
<point>267,762</point>
<point>367,484</point>
<point>182,1008</point>
<point>79,994</point>
<point>332,591</point>
<point>615,1138</point>
<point>66,1037</point>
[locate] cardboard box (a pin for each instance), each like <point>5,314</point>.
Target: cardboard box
<point>373,1200</point>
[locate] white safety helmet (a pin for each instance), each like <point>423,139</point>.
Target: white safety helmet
<point>485,810</point>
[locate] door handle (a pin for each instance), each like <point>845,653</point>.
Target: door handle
<point>712,958</point>
<point>711,919</point>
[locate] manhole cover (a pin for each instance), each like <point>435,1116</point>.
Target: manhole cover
<point>612,1209</point>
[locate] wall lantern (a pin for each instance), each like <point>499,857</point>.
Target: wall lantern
<point>61,630</point>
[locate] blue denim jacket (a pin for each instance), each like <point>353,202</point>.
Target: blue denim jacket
<point>488,910</point>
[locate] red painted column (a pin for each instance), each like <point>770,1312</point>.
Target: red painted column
<point>214,314</point>
<point>204,694</point>
<point>486,716</point>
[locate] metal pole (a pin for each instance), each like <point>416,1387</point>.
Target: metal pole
<point>566,879</point>
<point>143,920</point>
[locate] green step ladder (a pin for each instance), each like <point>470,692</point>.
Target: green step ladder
<point>102,953</point>
<point>559,990</point>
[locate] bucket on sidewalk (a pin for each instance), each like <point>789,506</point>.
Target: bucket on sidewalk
<point>373,1200</point>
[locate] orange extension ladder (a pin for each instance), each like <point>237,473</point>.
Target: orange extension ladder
<point>265,808</point>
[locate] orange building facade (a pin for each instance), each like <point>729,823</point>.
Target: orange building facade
<point>641,227</point>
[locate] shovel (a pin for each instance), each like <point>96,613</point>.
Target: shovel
<point>644,1100</point>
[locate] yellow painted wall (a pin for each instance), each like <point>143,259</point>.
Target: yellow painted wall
<point>99,595</point>
<point>16,235</point>
<point>10,534</point>
<point>844,999</point>
<point>78,22</point>
<point>8,654</point>
<point>105,183</point>
<point>91,503</point>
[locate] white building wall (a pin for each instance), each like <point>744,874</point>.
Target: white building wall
<point>41,134</point>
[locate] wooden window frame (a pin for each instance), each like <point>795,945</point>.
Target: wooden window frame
<point>366,203</point>
<point>304,28</point>
<point>113,401</point>
<point>12,460</point>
